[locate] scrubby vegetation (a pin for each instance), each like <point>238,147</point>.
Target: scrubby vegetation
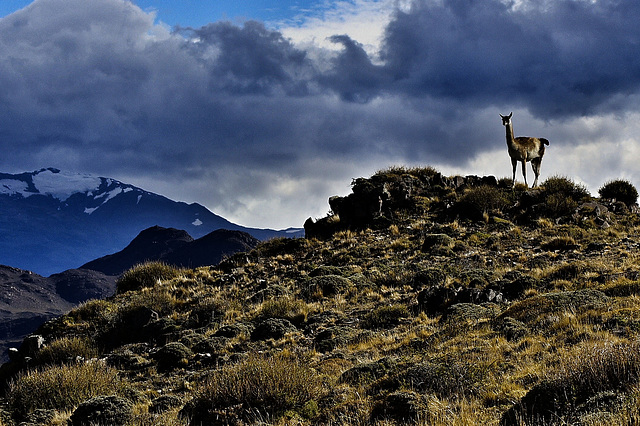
<point>421,299</point>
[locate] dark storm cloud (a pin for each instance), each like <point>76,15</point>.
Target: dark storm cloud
<point>561,57</point>
<point>96,86</point>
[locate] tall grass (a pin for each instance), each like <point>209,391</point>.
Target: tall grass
<point>62,387</point>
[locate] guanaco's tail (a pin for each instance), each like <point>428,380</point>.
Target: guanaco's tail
<point>544,141</point>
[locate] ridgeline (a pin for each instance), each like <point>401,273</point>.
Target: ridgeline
<point>420,299</point>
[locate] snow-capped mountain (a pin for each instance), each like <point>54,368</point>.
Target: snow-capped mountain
<point>52,220</point>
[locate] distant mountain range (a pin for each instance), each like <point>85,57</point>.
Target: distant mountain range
<point>52,221</point>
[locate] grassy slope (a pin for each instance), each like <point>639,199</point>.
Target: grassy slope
<point>561,350</point>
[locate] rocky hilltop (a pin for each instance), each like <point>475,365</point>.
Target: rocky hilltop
<point>421,299</point>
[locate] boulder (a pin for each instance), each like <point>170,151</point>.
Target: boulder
<point>103,410</point>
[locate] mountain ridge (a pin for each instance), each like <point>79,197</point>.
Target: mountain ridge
<point>52,221</point>
<point>174,247</point>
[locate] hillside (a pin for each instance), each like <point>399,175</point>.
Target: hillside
<point>425,300</point>
<point>27,300</point>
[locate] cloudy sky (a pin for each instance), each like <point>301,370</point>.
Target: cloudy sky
<point>262,109</point>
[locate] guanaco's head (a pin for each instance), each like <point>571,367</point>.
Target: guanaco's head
<point>506,119</point>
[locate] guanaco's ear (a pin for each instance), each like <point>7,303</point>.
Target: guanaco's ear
<point>511,115</point>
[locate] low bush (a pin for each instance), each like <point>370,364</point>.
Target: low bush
<point>103,410</point>
<point>559,243</point>
<point>294,310</point>
<point>562,195</point>
<point>66,350</point>
<point>620,190</point>
<point>62,387</point>
<point>476,202</point>
<point>257,388</point>
<point>595,369</point>
<point>326,285</point>
<point>145,275</point>
<point>385,316</point>
<point>173,355</point>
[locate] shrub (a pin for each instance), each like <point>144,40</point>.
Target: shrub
<point>422,173</point>
<point>145,275</point>
<point>327,285</point>
<point>481,200</point>
<point>429,277</point>
<point>532,308</point>
<point>62,387</point>
<point>103,410</point>
<point>94,311</point>
<point>173,355</point>
<point>437,241</point>
<point>404,407</point>
<point>257,388</point>
<point>559,243</point>
<point>66,350</point>
<point>594,370</point>
<point>385,316</point>
<point>444,378</point>
<point>288,308</point>
<point>562,195</point>
<point>621,190</point>
<point>272,328</point>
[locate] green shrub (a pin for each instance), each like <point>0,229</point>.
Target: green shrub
<point>103,410</point>
<point>562,195</point>
<point>62,387</point>
<point>621,190</point>
<point>66,350</point>
<point>145,275</point>
<point>481,200</point>
<point>173,355</point>
<point>281,246</point>
<point>422,173</point>
<point>444,378</point>
<point>385,316</point>
<point>257,388</point>
<point>327,285</point>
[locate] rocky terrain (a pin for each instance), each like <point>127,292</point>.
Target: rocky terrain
<point>422,299</point>
<point>27,299</point>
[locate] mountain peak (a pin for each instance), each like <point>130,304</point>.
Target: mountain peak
<point>54,220</point>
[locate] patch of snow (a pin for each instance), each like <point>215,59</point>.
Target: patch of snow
<point>113,193</point>
<point>139,198</point>
<point>91,210</point>
<point>62,185</point>
<point>127,190</point>
<point>196,222</point>
<point>14,186</point>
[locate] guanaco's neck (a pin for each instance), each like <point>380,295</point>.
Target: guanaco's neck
<point>510,138</point>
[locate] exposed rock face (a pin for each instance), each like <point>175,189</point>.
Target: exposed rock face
<point>374,202</point>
